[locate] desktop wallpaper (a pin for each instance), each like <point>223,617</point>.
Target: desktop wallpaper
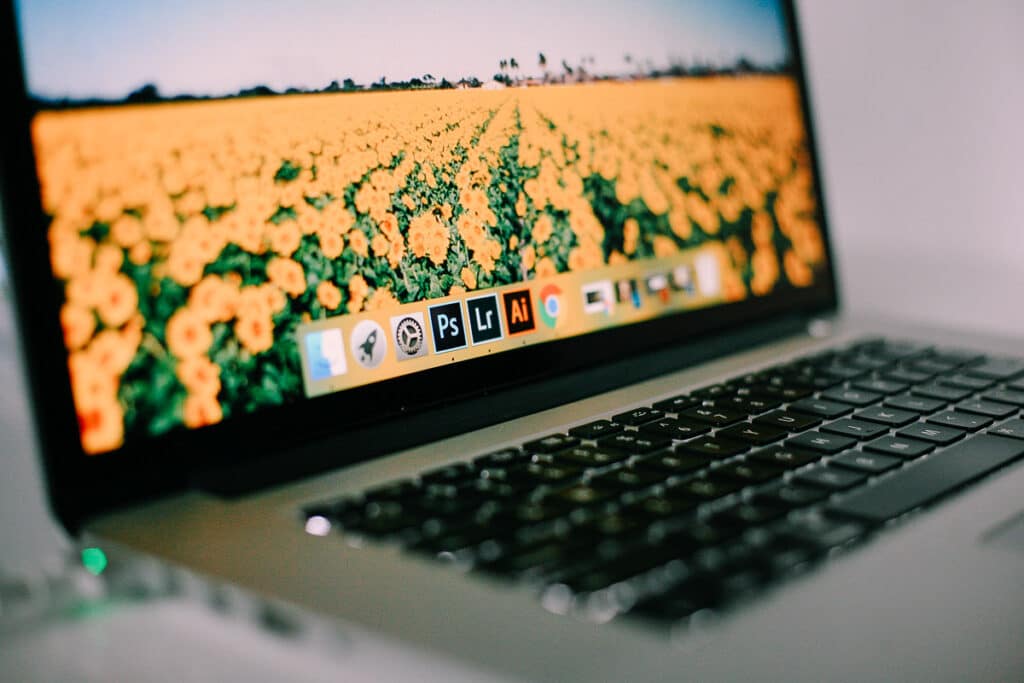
<point>218,173</point>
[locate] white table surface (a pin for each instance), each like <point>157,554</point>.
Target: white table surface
<point>918,110</point>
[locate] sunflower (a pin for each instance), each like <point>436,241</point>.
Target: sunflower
<point>188,334</point>
<point>288,275</point>
<point>200,410</point>
<point>328,294</point>
<point>199,375</point>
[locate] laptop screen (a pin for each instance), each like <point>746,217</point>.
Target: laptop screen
<point>253,204</point>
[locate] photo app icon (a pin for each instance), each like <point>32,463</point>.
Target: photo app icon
<point>447,327</point>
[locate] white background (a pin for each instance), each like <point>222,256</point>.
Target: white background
<point>920,115</point>
<point>919,109</point>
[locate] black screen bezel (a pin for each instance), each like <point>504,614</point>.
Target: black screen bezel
<point>81,486</point>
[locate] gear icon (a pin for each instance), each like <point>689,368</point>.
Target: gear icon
<point>409,336</point>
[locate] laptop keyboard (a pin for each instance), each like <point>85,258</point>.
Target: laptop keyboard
<point>701,501</point>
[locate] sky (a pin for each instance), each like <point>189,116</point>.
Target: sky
<point>107,48</point>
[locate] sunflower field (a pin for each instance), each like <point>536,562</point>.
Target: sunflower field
<point>191,239</point>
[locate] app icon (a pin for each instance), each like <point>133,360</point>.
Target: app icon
<point>484,319</point>
<point>627,292</point>
<point>550,304</point>
<point>519,311</point>
<point>683,279</point>
<point>368,343</point>
<point>325,353</point>
<point>447,327</point>
<point>598,297</point>
<point>657,285</point>
<point>709,280</point>
<point>410,335</point>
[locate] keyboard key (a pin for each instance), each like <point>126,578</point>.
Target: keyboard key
<point>675,428</point>
<point>750,472</point>
<point>871,463</point>
<point>712,447</point>
<point>990,408</point>
<point>922,483</point>
<point>1011,428</point>
<point>965,382</point>
<point>664,508</point>
<point>627,478</point>
<point>790,496</point>
<point>551,444</point>
<point>396,490</point>
<point>385,519</point>
<point>831,478</point>
<point>932,432</point>
<point>497,489</point>
<point>899,446</point>
<point>747,381</point>
<point>704,489</point>
<point>638,416</point>
<point>867,362</point>
<point>452,540</point>
<point>793,422</point>
<point>1016,385</point>
<point>822,533</point>
<point>614,524</point>
<point>789,392</point>
<point>917,404</point>
<point>621,568</point>
<point>892,417</point>
<point>505,456</point>
<point>713,391</point>
<point>757,434</point>
<point>532,557</point>
<point>753,403</point>
<point>546,510</point>
<point>751,514</point>
<point>998,368</point>
<point>588,456</point>
<point>880,386</point>
<point>952,418</point>
<point>855,396</point>
<point>899,350</point>
<point>788,458</point>
<point>551,474</point>
<point>957,357</point>
<point>670,463</point>
<point>816,441</point>
<point>635,442</point>
<point>1011,396</point>
<point>718,417</point>
<point>595,430</point>
<point>676,403</point>
<point>931,366</point>
<point>941,392</point>
<point>454,473</point>
<point>842,371</point>
<point>821,407</point>
<point>856,429</point>
<point>906,376</point>
<point>585,494</point>
<point>442,506</point>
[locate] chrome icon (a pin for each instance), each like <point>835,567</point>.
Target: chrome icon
<point>550,304</point>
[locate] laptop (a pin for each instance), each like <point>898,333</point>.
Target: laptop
<point>512,334</point>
